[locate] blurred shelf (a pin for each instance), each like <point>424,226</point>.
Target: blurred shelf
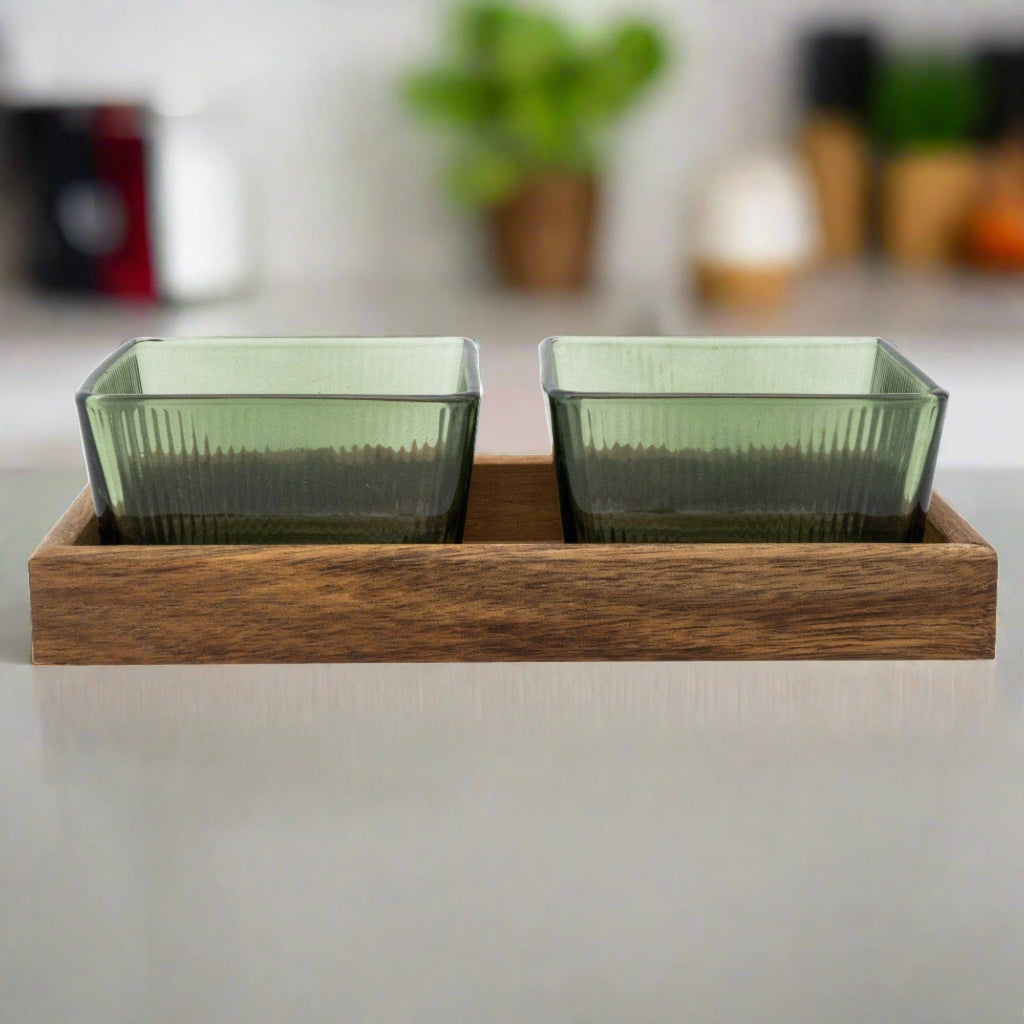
<point>875,300</point>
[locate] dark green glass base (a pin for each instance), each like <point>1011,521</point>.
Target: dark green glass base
<point>306,497</point>
<point>756,497</point>
<point>680,528</point>
<point>234,529</point>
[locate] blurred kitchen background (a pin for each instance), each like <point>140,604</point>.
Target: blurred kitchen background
<point>510,171</point>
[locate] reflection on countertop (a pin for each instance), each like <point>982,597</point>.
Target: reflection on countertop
<point>501,844</point>
<point>182,708</point>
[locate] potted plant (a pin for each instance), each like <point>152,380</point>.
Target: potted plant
<point>529,104</point>
<point>925,114</point>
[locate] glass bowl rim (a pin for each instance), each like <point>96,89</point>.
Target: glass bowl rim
<point>470,356</point>
<point>551,389</point>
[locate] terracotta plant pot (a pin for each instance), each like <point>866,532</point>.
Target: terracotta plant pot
<point>543,235</point>
<point>926,201</point>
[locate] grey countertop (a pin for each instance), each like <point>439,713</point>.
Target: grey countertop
<point>789,842</point>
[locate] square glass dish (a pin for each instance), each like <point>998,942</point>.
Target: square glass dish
<point>740,439</point>
<point>282,440</point>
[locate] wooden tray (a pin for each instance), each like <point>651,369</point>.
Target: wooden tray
<point>512,592</point>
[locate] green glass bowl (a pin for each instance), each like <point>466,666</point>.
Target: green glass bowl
<point>740,439</point>
<point>282,440</point>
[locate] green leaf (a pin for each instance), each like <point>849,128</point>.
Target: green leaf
<point>534,122</point>
<point>639,52</point>
<point>622,68</point>
<point>450,97</point>
<point>927,101</point>
<point>484,178</point>
<point>508,42</point>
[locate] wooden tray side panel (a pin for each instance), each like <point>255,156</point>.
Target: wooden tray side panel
<point>512,602</point>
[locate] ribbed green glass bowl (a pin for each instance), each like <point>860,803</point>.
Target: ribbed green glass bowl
<point>282,440</point>
<point>740,439</point>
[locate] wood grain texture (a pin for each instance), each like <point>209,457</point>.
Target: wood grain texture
<point>945,525</point>
<point>513,499</point>
<point>512,593</point>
